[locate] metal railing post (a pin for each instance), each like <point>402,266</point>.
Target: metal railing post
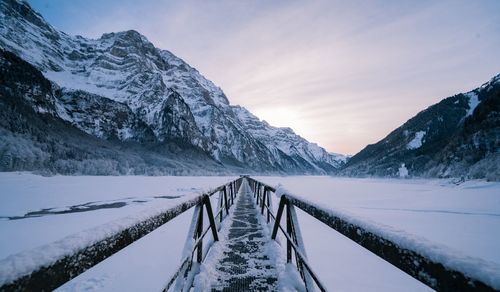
<point>269,205</point>
<point>210,216</point>
<point>289,231</point>
<point>257,192</point>
<point>199,231</point>
<point>232,193</point>
<point>263,201</point>
<point>225,201</point>
<point>221,202</point>
<point>278,216</point>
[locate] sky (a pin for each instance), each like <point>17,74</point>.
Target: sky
<point>343,74</point>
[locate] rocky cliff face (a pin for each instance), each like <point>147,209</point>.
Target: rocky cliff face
<point>120,87</point>
<point>459,136</point>
<point>34,137</point>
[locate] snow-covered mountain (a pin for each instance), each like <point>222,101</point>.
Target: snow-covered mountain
<point>285,144</point>
<point>457,137</point>
<point>121,88</point>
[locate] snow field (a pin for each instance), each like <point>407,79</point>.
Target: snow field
<point>452,224</point>
<point>461,218</point>
<point>29,243</point>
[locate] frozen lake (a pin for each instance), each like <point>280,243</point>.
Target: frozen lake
<point>462,219</point>
<point>37,210</point>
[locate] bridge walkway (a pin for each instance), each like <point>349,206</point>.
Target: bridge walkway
<point>246,262</point>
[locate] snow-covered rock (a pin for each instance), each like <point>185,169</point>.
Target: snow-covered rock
<point>417,141</point>
<point>121,86</point>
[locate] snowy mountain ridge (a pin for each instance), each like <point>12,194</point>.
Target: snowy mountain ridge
<point>457,137</point>
<point>149,95</point>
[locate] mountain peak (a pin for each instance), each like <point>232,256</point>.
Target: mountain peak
<point>128,35</point>
<point>22,11</point>
<point>121,86</point>
<point>493,81</point>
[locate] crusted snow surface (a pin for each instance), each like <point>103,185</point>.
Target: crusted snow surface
<point>447,223</point>
<point>417,141</point>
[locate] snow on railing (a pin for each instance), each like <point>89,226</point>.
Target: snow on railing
<point>184,276</point>
<point>292,234</point>
<point>48,267</point>
<point>432,264</point>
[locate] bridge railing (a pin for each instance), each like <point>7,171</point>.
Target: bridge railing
<point>183,277</point>
<point>428,270</point>
<point>294,243</point>
<point>66,267</point>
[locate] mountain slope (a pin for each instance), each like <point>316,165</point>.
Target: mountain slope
<point>288,146</point>
<point>459,136</point>
<point>33,137</point>
<point>120,87</point>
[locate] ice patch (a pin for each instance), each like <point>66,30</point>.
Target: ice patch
<point>417,141</point>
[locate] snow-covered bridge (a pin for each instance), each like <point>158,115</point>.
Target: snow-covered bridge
<point>237,242</point>
<point>244,261</point>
